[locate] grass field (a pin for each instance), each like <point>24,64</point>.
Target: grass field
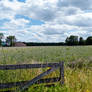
<point>77,78</point>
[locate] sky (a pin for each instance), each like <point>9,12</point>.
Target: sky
<point>45,20</point>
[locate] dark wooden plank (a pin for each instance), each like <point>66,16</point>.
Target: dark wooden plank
<point>48,80</point>
<point>8,91</point>
<point>15,84</point>
<point>31,82</point>
<point>47,85</point>
<point>62,72</point>
<point>28,66</point>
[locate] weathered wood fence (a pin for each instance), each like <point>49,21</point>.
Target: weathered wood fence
<point>38,79</point>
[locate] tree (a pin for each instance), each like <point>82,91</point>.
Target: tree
<point>72,40</point>
<point>10,40</point>
<point>67,41</point>
<point>1,36</point>
<point>81,41</point>
<point>89,40</point>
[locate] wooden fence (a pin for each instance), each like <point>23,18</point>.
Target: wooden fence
<point>38,79</point>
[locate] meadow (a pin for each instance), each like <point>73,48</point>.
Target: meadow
<point>78,74</point>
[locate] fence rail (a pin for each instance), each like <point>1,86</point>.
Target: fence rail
<point>28,66</point>
<point>38,79</point>
<point>15,84</point>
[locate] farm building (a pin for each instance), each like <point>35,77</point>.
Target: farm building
<point>20,44</point>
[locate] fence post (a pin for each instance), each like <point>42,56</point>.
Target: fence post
<point>61,73</point>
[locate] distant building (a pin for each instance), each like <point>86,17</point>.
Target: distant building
<point>20,44</point>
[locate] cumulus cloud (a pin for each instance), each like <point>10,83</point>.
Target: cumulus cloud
<point>82,4</point>
<point>61,18</point>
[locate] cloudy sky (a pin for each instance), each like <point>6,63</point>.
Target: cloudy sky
<point>45,20</point>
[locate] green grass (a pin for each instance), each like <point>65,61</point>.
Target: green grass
<point>78,79</point>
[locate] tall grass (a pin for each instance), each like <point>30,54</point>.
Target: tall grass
<point>77,79</point>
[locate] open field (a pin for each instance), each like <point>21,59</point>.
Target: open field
<point>77,78</point>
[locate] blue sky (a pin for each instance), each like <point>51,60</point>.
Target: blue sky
<point>21,0</point>
<point>31,21</point>
<point>45,20</point>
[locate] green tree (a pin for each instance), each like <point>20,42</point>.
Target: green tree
<point>1,36</point>
<point>11,40</point>
<point>81,41</point>
<point>67,41</point>
<point>72,40</point>
<point>89,40</point>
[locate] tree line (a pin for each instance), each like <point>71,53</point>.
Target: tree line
<point>75,40</point>
<point>44,44</point>
<point>72,40</point>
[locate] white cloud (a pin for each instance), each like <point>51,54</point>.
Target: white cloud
<point>82,4</point>
<point>61,18</point>
<point>15,5</point>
